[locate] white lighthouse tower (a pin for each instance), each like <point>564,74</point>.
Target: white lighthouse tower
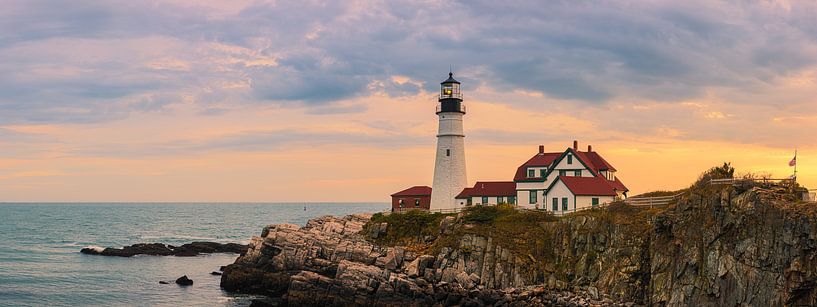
<point>449,168</point>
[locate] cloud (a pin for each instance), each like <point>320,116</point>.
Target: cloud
<point>87,62</point>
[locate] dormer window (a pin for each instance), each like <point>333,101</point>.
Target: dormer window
<point>531,173</point>
<point>542,173</point>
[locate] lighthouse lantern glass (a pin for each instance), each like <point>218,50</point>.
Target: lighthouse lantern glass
<point>450,90</point>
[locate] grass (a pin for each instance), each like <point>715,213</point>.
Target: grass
<point>408,228</point>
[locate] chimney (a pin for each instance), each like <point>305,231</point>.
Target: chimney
<point>541,149</point>
<point>589,148</point>
<point>575,145</point>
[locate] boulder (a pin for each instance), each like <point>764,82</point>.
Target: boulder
<point>184,281</point>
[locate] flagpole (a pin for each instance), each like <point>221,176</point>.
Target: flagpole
<point>795,165</point>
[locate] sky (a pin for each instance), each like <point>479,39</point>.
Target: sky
<point>334,100</point>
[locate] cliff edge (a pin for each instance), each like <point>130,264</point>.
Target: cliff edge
<point>718,245</point>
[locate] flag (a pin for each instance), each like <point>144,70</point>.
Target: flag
<point>793,161</point>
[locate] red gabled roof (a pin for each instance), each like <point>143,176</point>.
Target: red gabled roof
<point>595,161</point>
<point>466,193</point>
<point>540,159</point>
<point>490,188</point>
<point>618,185</point>
<point>419,190</point>
<point>588,186</point>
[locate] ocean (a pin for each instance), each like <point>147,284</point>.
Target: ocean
<point>40,262</point>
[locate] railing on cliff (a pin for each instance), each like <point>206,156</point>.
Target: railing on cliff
<point>563,213</point>
<point>653,201</point>
<point>734,181</point>
<point>444,211</point>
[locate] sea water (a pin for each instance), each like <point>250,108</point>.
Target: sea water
<point>40,262</point>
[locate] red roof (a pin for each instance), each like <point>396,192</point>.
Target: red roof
<point>466,193</point>
<point>595,161</point>
<point>595,186</point>
<point>618,185</point>
<point>592,159</point>
<point>419,190</point>
<point>540,159</point>
<point>490,188</point>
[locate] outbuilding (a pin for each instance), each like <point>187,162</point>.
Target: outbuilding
<point>488,193</point>
<point>413,198</point>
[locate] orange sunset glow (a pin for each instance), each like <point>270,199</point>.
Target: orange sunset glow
<point>335,102</point>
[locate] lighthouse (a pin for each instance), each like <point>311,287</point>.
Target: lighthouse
<point>449,167</point>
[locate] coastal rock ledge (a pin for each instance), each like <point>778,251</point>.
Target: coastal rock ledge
<point>329,262</point>
<point>159,249</point>
<point>742,245</point>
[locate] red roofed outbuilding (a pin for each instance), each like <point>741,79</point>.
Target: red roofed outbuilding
<point>488,193</point>
<point>416,197</point>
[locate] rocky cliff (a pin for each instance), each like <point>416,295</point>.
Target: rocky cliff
<point>732,247</point>
<point>716,246</point>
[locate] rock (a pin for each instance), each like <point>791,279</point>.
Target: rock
<point>184,281</point>
<point>215,273</point>
<point>417,267</point>
<point>159,249</point>
<point>447,225</point>
<point>164,282</point>
<point>263,303</point>
<point>593,292</point>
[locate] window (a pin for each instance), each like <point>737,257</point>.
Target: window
<point>512,200</point>
<point>563,173</point>
<point>595,201</point>
<point>401,203</point>
<point>448,152</point>
<point>500,200</point>
<point>417,202</point>
<point>569,159</point>
<point>564,203</point>
<point>577,173</point>
<point>532,197</point>
<point>542,173</point>
<point>485,200</point>
<point>555,204</point>
<point>531,173</point>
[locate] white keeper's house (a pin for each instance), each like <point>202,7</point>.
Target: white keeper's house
<point>568,180</point>
<point>554,181</point>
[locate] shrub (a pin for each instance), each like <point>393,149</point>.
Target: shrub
<point>407,228</point>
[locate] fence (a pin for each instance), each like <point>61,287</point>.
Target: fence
<point>652,201</point>
<point>563,213</point>
<point>445,210</point>
<point>734,181</point>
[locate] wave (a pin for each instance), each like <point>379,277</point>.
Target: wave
<point>95,248</point>
<point>178,237</point>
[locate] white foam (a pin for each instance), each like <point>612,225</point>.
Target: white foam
<point>175,237</point>
<point>95,248</point>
